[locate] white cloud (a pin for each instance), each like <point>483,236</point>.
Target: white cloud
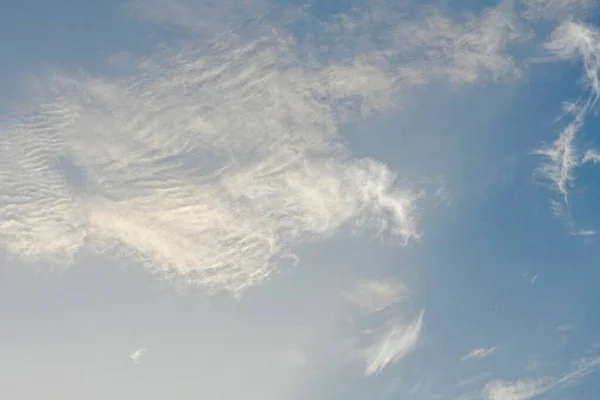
<point>585,366</point>
<point>396,343</point>
<point>375,295</point>
<point>210,164</point>
<point>478,353</point>
<point>576,40</point>
<point>464,51</point>
<point>222,156</point>
<point>465,48</point>
<point>561,160</point>
<point>556,9</point>
<point>137,355</point>
<point>519,390</point>
<point>572,40</point>
<point>591,156</point>
<point>529,388</point>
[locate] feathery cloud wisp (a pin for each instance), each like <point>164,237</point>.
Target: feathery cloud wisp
<point>529,388</point>
<point>572,40</point>
<point>462,51</point>
<point>465,49</point>
<point>478,353</point>
<point>555,9</point>
<point>519,390</point>
<point>396,343</point>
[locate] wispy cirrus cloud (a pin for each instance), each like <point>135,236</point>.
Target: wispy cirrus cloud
<point>396,342</point>
<point>562,159</point>
<point>465,48</point>
<point>209,164</point>
<point>219,157</point>
<point>556,9</point>
<point>572,41</point>
<point>519,390</point>
<point>526,389</point>
<point>479,353</point>
<point>463,51</point>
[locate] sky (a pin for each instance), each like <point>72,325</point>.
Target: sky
<point>289,199</point>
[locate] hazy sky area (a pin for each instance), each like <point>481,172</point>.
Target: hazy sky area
<point>299,200</point>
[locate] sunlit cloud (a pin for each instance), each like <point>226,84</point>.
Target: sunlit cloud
<point>209,164</point>
<point>218,158</point>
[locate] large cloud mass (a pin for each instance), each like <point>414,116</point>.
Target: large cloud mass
<point>207,165</point>
<point>215,159</point>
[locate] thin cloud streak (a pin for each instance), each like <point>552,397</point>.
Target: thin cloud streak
<point>396,343</point>
<point>478,353</point>
<point>520,390</point>
<point>529,388</point>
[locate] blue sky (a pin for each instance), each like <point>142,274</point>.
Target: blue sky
<point>293,200</point>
